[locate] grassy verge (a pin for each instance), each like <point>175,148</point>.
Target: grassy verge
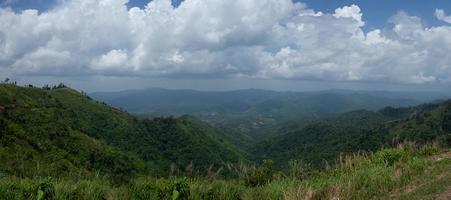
<point>399,173</point>
<point>433,183</point>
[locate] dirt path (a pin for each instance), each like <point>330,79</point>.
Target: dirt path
<point>438,157</point>
<point>445,195</point>
<point>411,189</point>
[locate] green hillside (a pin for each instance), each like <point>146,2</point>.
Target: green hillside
<point>323,141</point>
<point>53,131</point>
<point>58,143</point>
<point>249,115</point>
<point>406,172</point>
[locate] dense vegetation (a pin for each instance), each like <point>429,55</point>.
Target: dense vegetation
<point>321,142</point>
<point>406,172</point>
<point>58,131</point>
<point>249,115</point>
<point>58,143</point>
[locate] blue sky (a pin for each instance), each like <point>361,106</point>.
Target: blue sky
<point>254,43</point>
<point>377,12</point>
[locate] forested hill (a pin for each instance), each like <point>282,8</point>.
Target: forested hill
<point>61,131</point>
<point>359,130</point>
<point>277,105</point>
<point>248,116</point>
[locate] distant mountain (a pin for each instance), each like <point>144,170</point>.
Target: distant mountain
<point>61,132</point>
<point>251,114</point>
<point>358,130</point>
<point>158,101</point>
<point>423,96</point>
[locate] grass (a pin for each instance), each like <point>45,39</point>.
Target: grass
<point>435,181</point>
<point>405,172</point>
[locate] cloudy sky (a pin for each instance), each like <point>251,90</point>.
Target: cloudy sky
<point>218,44</point>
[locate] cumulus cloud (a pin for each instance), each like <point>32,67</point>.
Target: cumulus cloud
<point>260,39</point>
<point>441,15</point>
<point>113,59</point>
<point>352,11</point>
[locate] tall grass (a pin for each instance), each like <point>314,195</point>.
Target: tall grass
<point>356,176</point>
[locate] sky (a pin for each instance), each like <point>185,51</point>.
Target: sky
<point>108,45</point>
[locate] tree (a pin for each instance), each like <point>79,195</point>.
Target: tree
<point>61,85</point>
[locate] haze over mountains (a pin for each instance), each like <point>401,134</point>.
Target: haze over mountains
<point>158,101</point>
<point>61,132</point>
<point>254,112</point>
<point>246,99</point>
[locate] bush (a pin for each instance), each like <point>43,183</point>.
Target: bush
<point>82,189</point>
<point>262,175</point>
<point>217,190</point>
<point>46,189</point>
<point>389,156</point>
<point>428,150</point>
<point>12,189</point>
<point>296,169</point>
<point>170,189</point>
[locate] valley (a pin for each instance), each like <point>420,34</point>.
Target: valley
<point>62,133</point>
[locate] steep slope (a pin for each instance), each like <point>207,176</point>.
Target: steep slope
<point>38,139</point>
<point>427,123</point>
<point>361,130</point>
<point>62,124</point>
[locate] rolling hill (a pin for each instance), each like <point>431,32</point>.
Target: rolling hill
<point>250,115</point>
<point>358,130</point>
<point>51,131</point>
<point>59,143</point>
<point>281,105</point>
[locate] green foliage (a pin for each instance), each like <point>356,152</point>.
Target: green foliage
<point>165,189</point>
<point>93,151</point>
<point>428,150</point>
<point>46,189</point>
<point>18,189</point>
<point>323,141</point>
<point>297,169</point>
<point>356,177</point>
<point>216,190</point>
<point>245,117</point>
<point>390,156</point>
<point>93,189</point>
<point>261,175</point>
<point>63,133</point>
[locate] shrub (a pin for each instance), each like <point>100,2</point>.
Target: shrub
<point>217,190</point>
<point>46,189</point>
<point>262,175</point>
<point>296,169</point>
<point>428,150</point>
<point>82,189</point>
<point>389,156</point>
<point>11,189</point>
<point>168,189</point>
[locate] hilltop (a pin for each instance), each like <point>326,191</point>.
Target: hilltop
<point>54,131</point>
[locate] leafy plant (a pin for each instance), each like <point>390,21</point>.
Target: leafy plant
<point>46,189</point>
<point>390,156</point>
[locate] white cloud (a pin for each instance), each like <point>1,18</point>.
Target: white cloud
<point>269,39</point>
<point>352,11</point>
<point>441,15</point>
<point>374,37</point>
<point>113,59</point>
